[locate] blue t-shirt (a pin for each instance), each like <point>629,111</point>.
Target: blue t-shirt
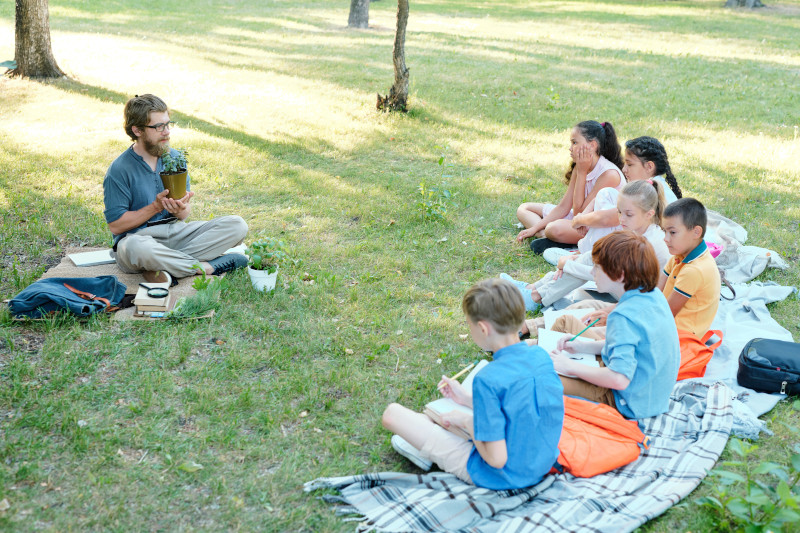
<point>130,184</point>
<point>642,345</point>
<point>517,397</point>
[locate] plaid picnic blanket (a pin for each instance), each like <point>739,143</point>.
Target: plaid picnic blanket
<point>685,444</point>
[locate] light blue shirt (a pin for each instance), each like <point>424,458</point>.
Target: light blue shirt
<point>642,345</point>
<point>517,397</point>
<point>130,184</point>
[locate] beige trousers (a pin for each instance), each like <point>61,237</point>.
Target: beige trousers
<point>178,246</point>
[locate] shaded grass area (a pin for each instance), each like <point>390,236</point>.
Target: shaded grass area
<point>102,424</point>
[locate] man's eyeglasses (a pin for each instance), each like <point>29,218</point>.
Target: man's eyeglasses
<point>160,127</point>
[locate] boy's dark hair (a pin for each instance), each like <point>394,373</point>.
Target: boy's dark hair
<point>624,252</point>
<point>497,301</point>
<point>137,112</point>
<point>607,143</point>
<point>650,149</point>
<point>691,212</point>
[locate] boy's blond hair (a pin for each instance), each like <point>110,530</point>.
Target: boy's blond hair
<point>498,302</point>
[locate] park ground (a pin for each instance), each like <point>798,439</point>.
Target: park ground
<point>215,424</point>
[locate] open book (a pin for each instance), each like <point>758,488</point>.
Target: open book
<point>437,408</point>
<point>548,340</point>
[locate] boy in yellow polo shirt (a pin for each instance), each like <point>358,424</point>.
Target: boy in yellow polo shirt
<point>690,279</point>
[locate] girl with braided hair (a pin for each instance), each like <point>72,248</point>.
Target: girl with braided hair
<point>645,157</point>
<point>596,164</point>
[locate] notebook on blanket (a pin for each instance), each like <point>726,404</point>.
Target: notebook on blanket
<point>548,340</point>
<point>437,408</point>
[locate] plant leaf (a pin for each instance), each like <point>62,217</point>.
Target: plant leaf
<point>728,475</point>
<point>190,466</point>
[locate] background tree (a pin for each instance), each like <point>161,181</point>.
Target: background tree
<point>33,52</point>
<point>359,14</point>
<point>398,94</point>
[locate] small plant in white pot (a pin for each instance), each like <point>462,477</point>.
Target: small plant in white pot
<point>265,255</point>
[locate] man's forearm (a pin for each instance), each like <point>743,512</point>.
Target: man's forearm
<point>133,219</point>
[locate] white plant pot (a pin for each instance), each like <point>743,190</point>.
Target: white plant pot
<point>261,280</point>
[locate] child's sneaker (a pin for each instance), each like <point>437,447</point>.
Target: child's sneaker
<point>405,449</point>
<point>530,305</point>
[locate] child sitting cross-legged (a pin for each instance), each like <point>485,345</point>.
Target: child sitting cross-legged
<point>640,206</point>
<point>690,280</point>
<point>517,402</point>
<point>641,353</point>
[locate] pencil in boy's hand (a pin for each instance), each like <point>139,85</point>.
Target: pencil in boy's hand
<point>461,373</point>
<point>596,320</point>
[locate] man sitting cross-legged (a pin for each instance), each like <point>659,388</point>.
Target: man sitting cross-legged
<point>150,231</point>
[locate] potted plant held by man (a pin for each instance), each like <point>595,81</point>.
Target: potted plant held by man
<point>264,257</point>
<point>173,174</point>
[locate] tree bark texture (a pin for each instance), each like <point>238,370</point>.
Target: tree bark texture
<point>33,52</point>
<point>744,3</point>
<point>398,94</point>
<point>359,14</point>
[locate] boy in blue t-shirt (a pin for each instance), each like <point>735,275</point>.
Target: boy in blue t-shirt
<point>517,402</point>
<point>641,353</point>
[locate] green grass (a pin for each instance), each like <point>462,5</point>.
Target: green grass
<point>275,101</point>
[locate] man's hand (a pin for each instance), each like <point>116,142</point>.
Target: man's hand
<point>176,208</point>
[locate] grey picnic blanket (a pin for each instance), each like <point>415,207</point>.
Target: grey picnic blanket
<point>685,443</point>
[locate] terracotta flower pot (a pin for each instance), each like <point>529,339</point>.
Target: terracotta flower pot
<point>176,183</point>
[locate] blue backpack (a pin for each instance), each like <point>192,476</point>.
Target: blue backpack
<point>79,296</point>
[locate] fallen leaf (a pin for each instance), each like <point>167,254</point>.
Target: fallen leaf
<point>190,466</point>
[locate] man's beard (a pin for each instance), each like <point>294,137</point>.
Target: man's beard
<point>155,149</point>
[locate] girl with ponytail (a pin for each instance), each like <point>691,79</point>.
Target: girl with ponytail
<point>596,164</point>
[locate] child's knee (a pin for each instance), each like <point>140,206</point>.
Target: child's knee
<point>388,419</point>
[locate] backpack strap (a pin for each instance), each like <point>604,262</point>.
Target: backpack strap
<point>88,295</point>
<point>727,284</point>
<point>710,333</point>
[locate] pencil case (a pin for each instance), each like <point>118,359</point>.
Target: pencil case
<point>769,365</point>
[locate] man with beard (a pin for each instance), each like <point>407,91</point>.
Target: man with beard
<point>150,232</point>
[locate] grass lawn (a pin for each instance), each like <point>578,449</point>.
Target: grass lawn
<point>102,424</point>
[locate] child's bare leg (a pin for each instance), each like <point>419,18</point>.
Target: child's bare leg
<point>530,214</point>
<point>416,428</point>
<point>562,231</point>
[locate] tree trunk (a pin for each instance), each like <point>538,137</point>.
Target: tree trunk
<point>398,94</point>
<point>744,3</point>
<point>33,53</point>
<point>359,14</point>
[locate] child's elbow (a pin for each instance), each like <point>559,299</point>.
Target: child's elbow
<point>620,382</point>
<point>498,462</point>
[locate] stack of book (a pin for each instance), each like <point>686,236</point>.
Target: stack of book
<point>149,306</point>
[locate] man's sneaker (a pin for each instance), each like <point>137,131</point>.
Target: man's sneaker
<point>227,263</point>
<point>405,449</point>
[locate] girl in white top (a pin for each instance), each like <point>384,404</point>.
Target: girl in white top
<point>596,162</point>
<point>645,158</point>
<point>640,206</point>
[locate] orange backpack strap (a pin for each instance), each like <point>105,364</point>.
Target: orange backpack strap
<point>710,333</point>
<point>88,295</point>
